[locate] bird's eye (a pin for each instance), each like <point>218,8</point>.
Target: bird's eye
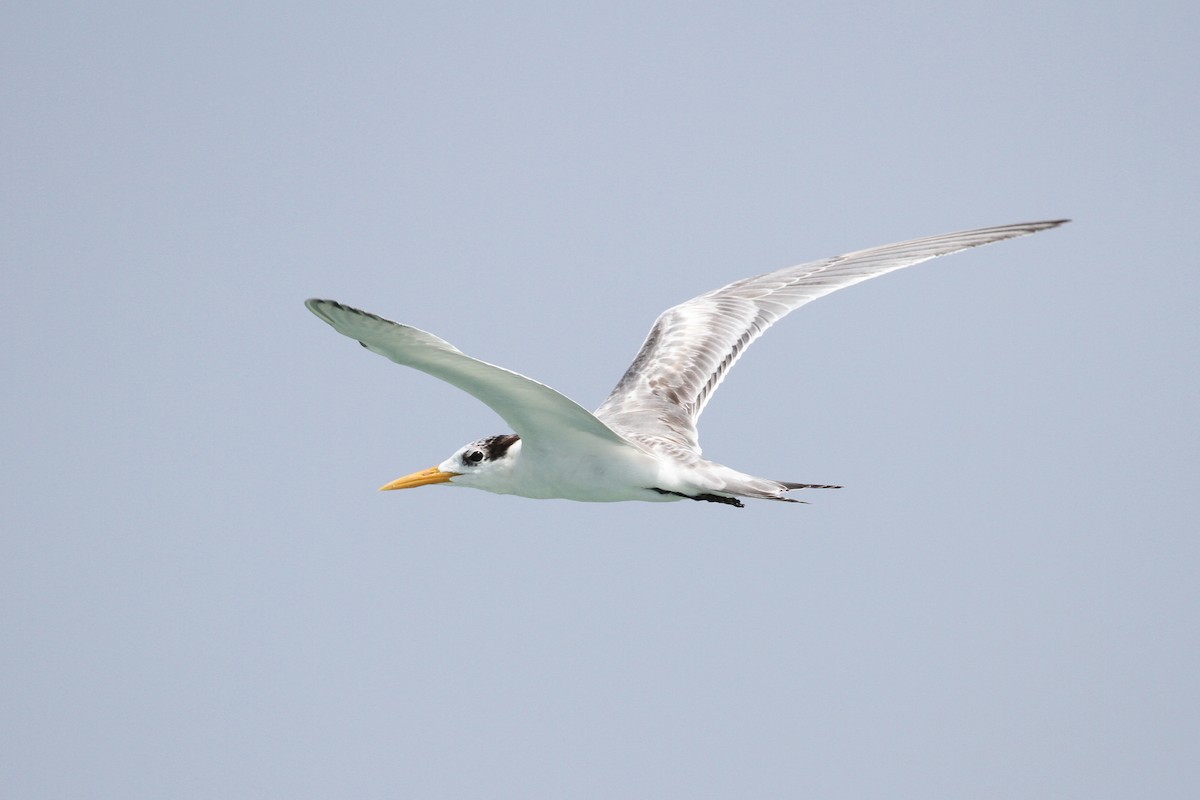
<point>473,457</point>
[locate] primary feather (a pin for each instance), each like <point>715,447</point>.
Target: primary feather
<point>693,345</point>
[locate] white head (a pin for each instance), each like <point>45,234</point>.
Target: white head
<point>483,464</point>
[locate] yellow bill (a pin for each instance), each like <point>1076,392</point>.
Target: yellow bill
<point>422,478</point>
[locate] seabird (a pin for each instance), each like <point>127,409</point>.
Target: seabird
<point>641,443</point>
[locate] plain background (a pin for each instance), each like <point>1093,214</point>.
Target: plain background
<point>203,595</point>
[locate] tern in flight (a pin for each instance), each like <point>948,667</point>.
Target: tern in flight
<point>641,443</point>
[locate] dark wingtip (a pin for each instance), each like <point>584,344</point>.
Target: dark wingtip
<point>314,304</point>
<point>317,306</point>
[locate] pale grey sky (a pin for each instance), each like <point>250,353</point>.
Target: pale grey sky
<point>204,596</point>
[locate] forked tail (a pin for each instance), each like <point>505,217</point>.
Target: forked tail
<point>767,489</point>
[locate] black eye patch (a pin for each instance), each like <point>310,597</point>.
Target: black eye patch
<point>497,446</point>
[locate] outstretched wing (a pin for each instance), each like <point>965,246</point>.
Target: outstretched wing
<point>539,414</point>
<point>692,346</point>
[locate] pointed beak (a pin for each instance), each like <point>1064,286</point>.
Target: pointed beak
<point>422,478</point>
